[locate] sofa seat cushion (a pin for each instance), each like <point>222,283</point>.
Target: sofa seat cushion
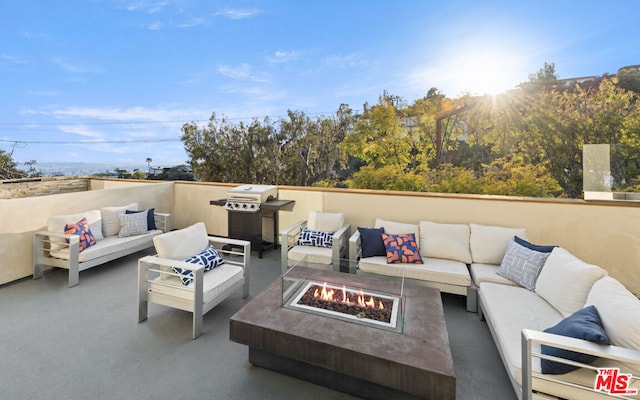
<point>108,245</point>
<point>509,309</point>
<point>311,255</point>
<point>488,273</point>
<point>433,270</point>
<point>215,282</point>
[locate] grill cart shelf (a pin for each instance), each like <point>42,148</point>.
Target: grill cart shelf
<point>248,225</point>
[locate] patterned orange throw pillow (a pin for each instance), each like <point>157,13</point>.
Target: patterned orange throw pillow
<point>401,248</point>
<point>81,228</point>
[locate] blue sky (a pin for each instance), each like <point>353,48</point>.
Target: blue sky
<point>114,80</point>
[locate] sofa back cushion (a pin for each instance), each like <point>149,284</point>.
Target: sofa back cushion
<point>325,222</point>
<point>57,223</point>
<point>489,244</point>
<point>111,218</point>
<point>398,228</point>
<point>448,241</point>
<point>183,243</point>
<point>565,281</point>
<point>619,310</point>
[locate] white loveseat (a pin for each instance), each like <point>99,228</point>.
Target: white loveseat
<point>54,248</point>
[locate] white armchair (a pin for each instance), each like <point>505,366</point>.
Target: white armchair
<point>158,281</point>
<point>326,257</point>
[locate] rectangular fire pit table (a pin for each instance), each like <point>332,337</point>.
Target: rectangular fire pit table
<point>365,361</point>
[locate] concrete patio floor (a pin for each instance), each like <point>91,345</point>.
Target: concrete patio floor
<point>85,343</point>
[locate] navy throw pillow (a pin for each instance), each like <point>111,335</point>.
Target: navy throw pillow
<point>535,247</point>
<point>583,324</point>
<point>151,222</point>
<point>371,240</point>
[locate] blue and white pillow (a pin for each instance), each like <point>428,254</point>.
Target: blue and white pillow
<point>315,238</point>
<point>209,258</point>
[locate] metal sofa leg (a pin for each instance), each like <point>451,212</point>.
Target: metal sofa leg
<point>472,299</point>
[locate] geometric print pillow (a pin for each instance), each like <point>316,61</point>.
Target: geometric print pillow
<point>81,228</point>
<point>401,248</point>
<point>315,238</point>
<point>522,265</point>
<point>133,224</point>
<point>210,258</point>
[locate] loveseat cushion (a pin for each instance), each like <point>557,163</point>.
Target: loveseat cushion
<point>448,241</point>
<point>433,270</point>
<point>583,324</point>
<point>616,304</point>
<point>57,224</point>
<point>111,218</point>
<point>183,243</point>
<point>565,281</point>
<point>108,246</point>
<point>488,244</point>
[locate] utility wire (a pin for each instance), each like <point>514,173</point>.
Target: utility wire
<point>88,141</point>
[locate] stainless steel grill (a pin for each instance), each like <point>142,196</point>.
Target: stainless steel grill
<point>249,198</point>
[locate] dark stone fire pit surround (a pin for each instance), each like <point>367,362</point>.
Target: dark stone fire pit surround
<point>364,361</point>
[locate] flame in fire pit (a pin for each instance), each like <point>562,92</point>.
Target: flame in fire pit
<point>330,295</point>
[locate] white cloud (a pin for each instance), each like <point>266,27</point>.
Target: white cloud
<point>160,114</point>
<point>150,7</point>
<point>156,25</point>
<point>349,60</point>
<point>282,56</point>
<point>241,72</point>
<point>75,68</point>
<point>238,13</point>
<point>13,59</point>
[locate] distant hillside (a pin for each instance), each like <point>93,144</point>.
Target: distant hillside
<point>81,168</point>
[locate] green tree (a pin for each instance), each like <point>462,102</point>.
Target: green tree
<point>8,167</point>
<point>629,78</point>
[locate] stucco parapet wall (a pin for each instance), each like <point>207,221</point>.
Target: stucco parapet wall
<point>31,187</point>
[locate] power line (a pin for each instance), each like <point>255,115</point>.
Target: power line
<point>59,123</point>
<point>88,141</point>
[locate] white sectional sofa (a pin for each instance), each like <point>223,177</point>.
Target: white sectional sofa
<point>564,289</point>
<point>116,233</point>
<point>523,289</point>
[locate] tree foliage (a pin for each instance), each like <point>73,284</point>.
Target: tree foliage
<point>526,142</point>
<point>8,167</point>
